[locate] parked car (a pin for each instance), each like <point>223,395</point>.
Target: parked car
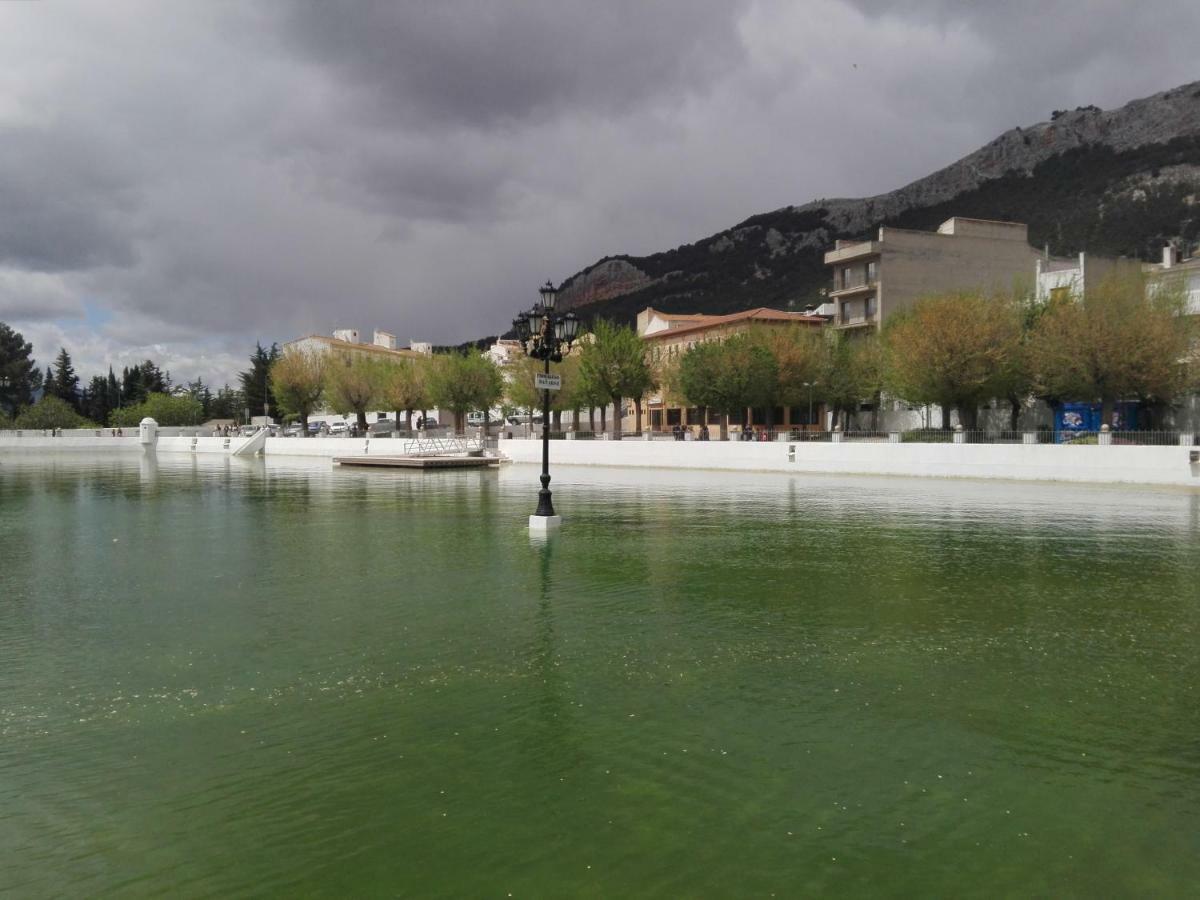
<point>314,427</point>
<point>342,427</point>
<point>293,430</point>
<point>381,428</point>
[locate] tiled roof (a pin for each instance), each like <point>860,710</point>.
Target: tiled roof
<point>761,314</point>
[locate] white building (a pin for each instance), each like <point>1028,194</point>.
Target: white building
<point>1180,271</point>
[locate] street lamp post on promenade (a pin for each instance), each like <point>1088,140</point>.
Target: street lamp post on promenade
<point>546,335</point>
<point>810,385</point>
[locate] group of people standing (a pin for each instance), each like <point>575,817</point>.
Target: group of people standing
<point>681,432</point>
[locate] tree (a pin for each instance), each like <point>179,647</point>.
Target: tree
<point>614,365</point>
<point>404,387</point>
<point>462,382</point>
<point>201,393</point>
<point>93,402</point>
<point>51,412</point>
<point>799,353</point>
<point>227,404</point>
<point>851,372</point>
<point>952,349</point>
<point>352,382</point>
<point>1118,341</point>
<point>165,409</point>
<point>256,381</point>
<point>19,378</point>
<point>298,381</point>
<point>141,380</point>
<point>64,383</point>
<point>522,392</point>
<point>735,374</point>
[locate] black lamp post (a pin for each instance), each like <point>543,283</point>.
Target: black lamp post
<point>546,335</point>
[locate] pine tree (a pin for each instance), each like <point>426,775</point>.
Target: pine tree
<point>256,381</point>
<point>64,383</point>
<point>19,378</point>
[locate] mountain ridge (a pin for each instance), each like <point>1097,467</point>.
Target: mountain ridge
<point>1082,180</point>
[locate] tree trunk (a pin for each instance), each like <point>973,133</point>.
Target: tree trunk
<point>1014,413</point>
<point>592,419</point>
<point>459,425</point>
<point>725,426</point>
<point>617,420</point>
<point>361,416</point>
<point>604,418</point>
<point>556,417</point>
<point>945,417</point>
<point>1107,408</point>
<point>637,405</point>
<point>303,424</point>
<point>968,416</point>
<point>408,420</point>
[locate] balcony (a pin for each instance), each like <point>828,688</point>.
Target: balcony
<point>853,252</point>
<point>855,321</point>
<point>854,289</point>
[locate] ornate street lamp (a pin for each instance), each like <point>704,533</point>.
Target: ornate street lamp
<point>546,335</point>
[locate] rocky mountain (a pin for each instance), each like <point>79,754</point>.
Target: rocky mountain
<point>1116,182</point>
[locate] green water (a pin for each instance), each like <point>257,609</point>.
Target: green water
<point>232,679</point>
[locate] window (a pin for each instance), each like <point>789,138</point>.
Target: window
<point>714,416</point>
<point>845,317</point>
<point>871,306</point>
<point>693,416</point>
<point>674,416</point>
<point>656,418</point>
<point>872,271</point>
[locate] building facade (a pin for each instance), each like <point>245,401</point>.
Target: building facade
<point>873,280</point>
<point>668,336</point>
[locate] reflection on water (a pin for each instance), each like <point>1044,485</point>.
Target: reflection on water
<point>237,676</point>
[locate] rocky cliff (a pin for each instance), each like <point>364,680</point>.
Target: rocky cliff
<point>1117,181</point>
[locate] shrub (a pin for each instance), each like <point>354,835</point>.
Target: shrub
<point>51,412</point>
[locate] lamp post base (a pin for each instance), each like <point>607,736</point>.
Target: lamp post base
<point>544,523</point>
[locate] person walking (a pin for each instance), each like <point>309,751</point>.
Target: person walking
<point>704,432</point>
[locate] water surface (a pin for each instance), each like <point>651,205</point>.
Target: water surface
<point>236,677</point>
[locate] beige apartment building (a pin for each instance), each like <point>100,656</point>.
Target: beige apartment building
<point>873,280</point>
<point>669,335</point>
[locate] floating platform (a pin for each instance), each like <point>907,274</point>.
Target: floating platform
<point>418,462</point>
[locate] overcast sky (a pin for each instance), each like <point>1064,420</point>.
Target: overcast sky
<point>178,180</point>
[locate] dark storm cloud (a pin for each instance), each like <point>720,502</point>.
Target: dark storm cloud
<point>483,62</point>
<point>62,207</point>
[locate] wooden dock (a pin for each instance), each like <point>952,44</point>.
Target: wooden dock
<point>418,462</point>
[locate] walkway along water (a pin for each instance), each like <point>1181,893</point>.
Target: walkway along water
<point>1097,463</point>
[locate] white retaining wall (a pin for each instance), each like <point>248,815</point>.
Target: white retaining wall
<point>45,442</point>
<point>1023,462</point>
<point>330,447</point>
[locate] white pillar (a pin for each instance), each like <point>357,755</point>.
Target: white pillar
<point>148,434</point>
<point>1105,436</point>
<point>959,436</point>
<point>1029,437</point>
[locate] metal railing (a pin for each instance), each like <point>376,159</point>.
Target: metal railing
<point>443,446</point>
<point>915,436</point>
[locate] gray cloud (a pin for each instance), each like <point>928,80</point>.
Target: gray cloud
<point>477,62</point>
<point>214,174</point>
